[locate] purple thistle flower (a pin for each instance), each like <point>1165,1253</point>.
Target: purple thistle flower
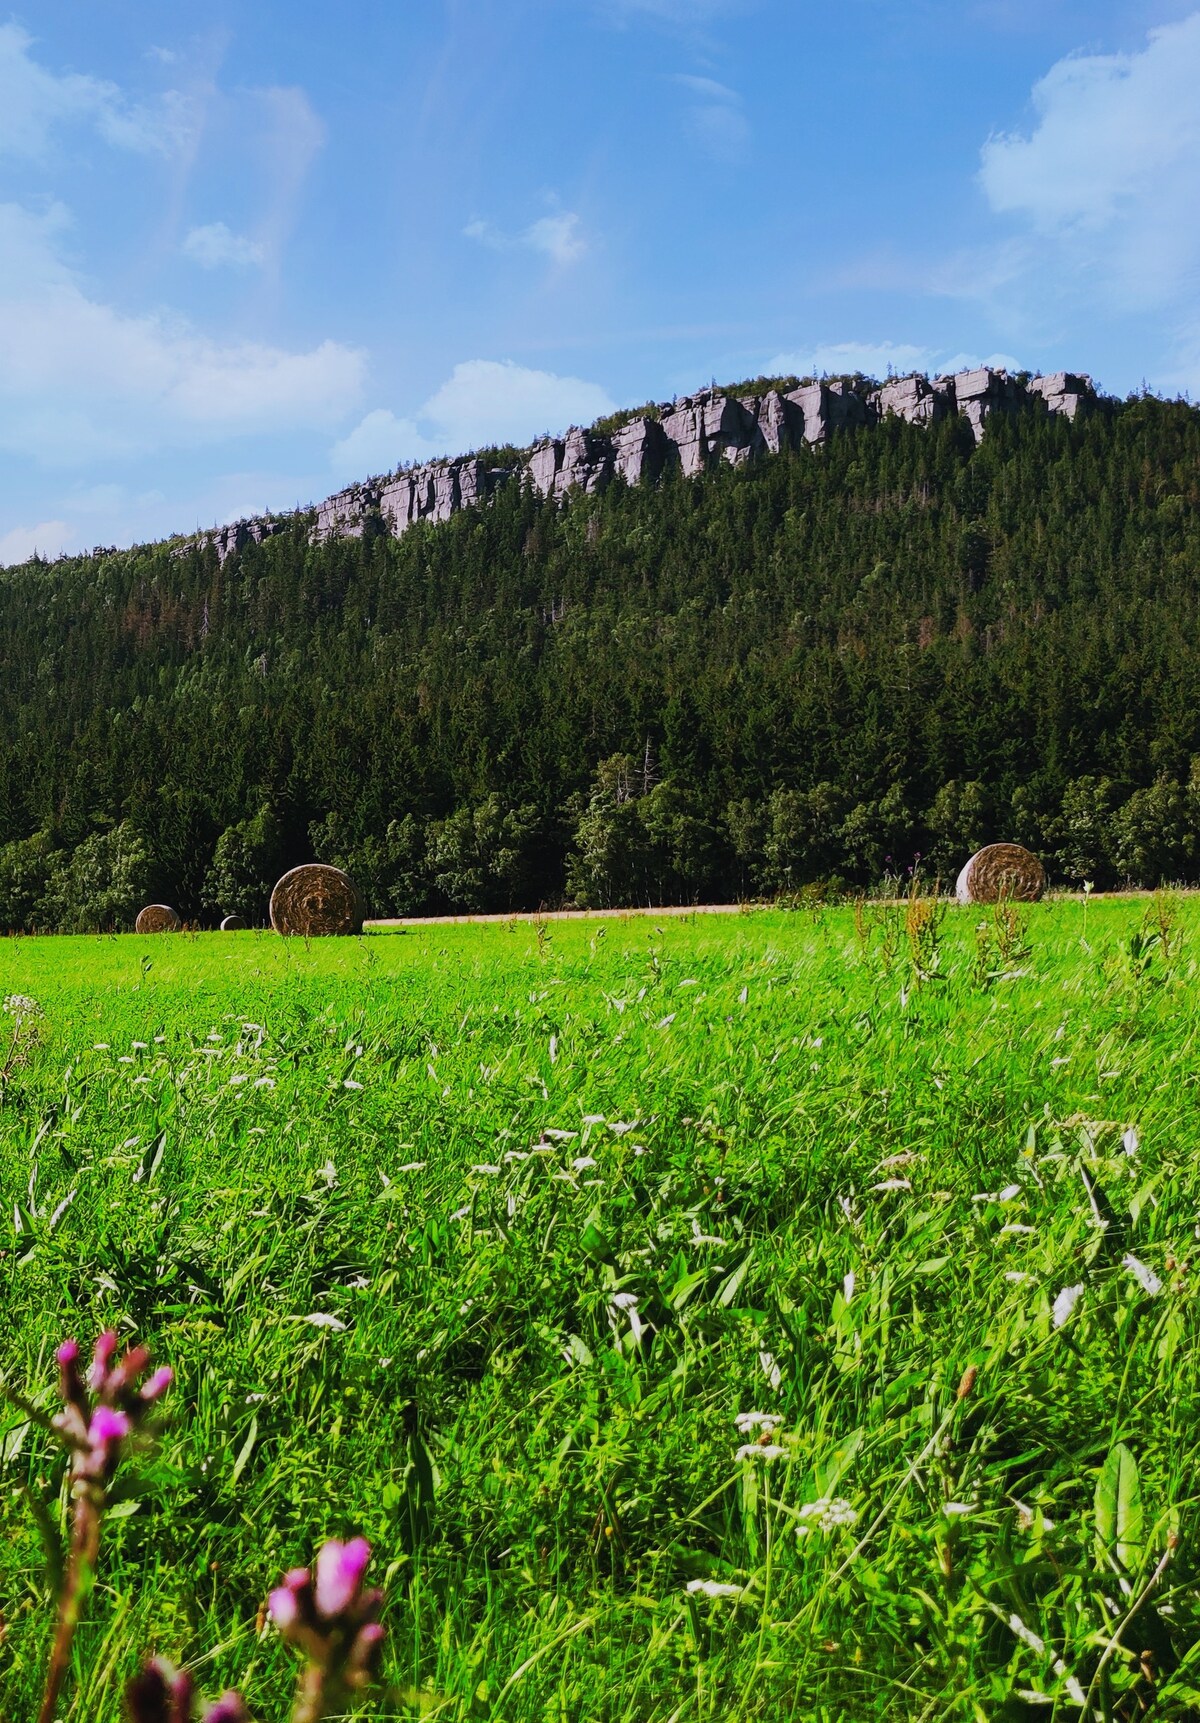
<point>97,1420</point>
<point>340,1568</point>
<point>328,1614</point>
<point>106,1346</point>
<point>162,1694</point>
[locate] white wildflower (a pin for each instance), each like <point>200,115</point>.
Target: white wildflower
<point>264,1082</point>
<point>1026,1635</point>
<point>748,1422</point>
<point>1017,1276</point>
<point>827,1514</point>
<point>412,1167</point>
<point>485,1168</point>
<point>349,1083</point>
<point>619,1127</point>
<point>1129,1141</point>
<point>582,1162</point>
<point>848,1284</point>
<point>1015,1228</point>
<point>627,1303</point>
<point>1145,1277</point>
<point>771,1370</point>
<point>329,1173</point>
<point>593,1118</point>
<point>893,1185</point>
<point>511,1155</point>
<point>322,1319</point>
<point>461,1213</point>
<point>699,1237</point>
<point>100,1047</point>
<point>665,1022</point>
<point>765,1451</point>
<point>1065,1303</point>
<point>953,1510</point>
<point>21,1005</point>
<point>712,1588</point>
<point>239,1077</point>
<point>560,1136</point>
<point>904,1159</point>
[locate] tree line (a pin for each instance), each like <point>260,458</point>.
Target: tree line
<point>836,664</point>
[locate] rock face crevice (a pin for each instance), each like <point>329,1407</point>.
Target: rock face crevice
<point>694,432</point>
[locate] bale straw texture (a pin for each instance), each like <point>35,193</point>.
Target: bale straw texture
<point>232,924</point>
<point>157,918</point>
<point>1001,871</point>
<point>315,900</point>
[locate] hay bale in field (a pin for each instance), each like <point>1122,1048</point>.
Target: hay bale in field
<point>233,924</point>
<point>316,899</point>
<point>1001,871</point>
<point>157,918</point>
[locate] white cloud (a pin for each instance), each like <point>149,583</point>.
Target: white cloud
<point>34,103</point>
<point>877,358</point>
<point>1109,177</point>
<point>48,538</point>
<point>715,118</point>
<point>556,236</point>
<point>216,246</point>
<point>81,380</point>
<point>484,401</point>
<point>378,443</point>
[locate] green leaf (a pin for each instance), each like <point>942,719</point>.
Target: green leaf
<point>1119,1509</point>
<point>151,1160</point>
<point>597,1244</point>
<point>245,1451</point>
<point>731,1285</point>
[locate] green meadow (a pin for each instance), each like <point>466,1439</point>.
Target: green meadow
<point>480,1240</point>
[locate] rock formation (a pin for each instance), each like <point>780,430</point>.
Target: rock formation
<point>693,432</point>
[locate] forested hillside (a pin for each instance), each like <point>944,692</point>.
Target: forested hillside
<point>823,665</point>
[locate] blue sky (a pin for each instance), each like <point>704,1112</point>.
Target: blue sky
<point>250,252</point>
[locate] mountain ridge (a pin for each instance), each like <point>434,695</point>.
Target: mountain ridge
<point>693,431</point>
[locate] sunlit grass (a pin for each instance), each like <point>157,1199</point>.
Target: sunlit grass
<point>479,1242</point>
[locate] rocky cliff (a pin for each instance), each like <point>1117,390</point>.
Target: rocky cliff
<point>694,431</point>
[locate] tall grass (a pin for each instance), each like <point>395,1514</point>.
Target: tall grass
<point>481,1241</point>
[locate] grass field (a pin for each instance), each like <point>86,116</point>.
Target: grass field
<point>478,1240</point>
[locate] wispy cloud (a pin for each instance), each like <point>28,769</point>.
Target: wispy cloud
<point>36,103</point>
<point>877,359</point>
<point>47,538</point>
<point>217,247</point>
<point>1108,179</point>
<point>715,117</point>
<point>558,236</point>
<point>81,380</point>
<point>483,401</point>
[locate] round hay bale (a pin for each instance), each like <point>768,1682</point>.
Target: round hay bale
<point>1001,871</point>
<point>314,900</point>
<point>157,918</point>
<point>233,924</point>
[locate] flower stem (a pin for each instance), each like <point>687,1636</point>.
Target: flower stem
<point>310,1703</point>
<point>81,1564</point>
